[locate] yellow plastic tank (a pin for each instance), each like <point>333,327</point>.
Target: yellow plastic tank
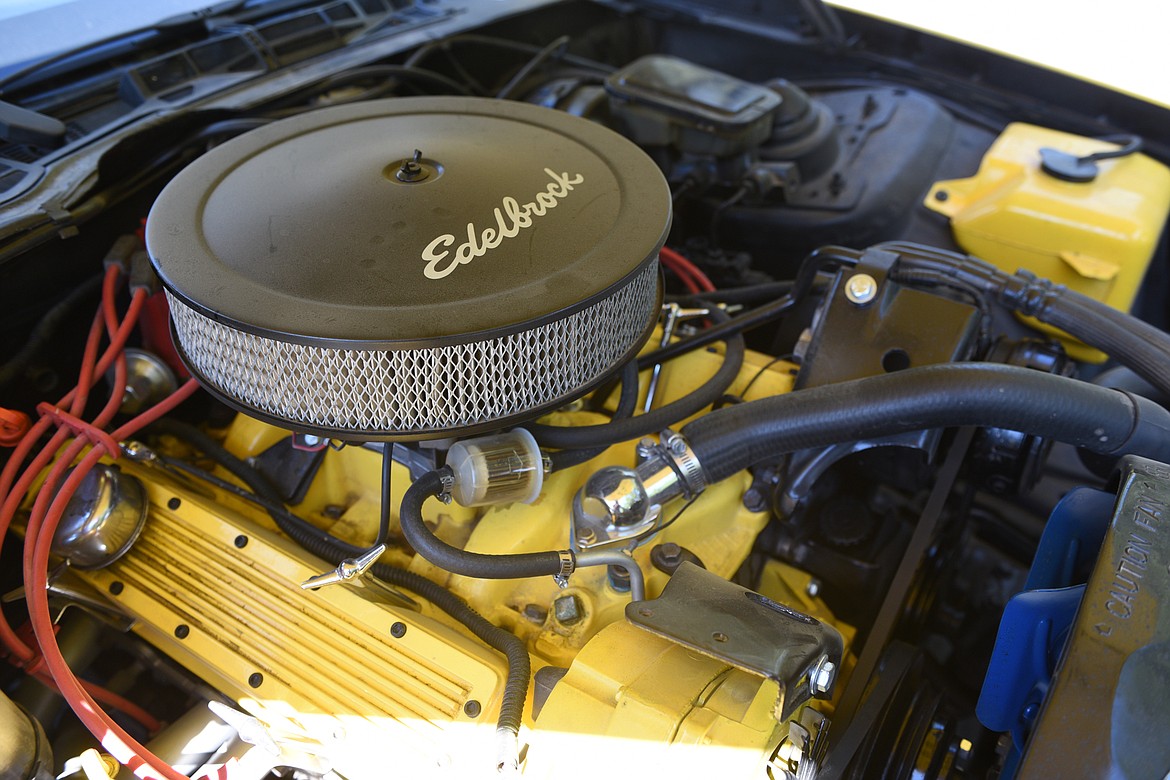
<point>1096,237</point>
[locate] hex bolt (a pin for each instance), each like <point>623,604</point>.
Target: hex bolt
<point>567,609</point>
<point>822,676</point>
<point>861,289</point>
<point>813,588</point>
<point>668,556</point>
<point>398,630</point>
<point>754,500</point>
<point>671,553</point>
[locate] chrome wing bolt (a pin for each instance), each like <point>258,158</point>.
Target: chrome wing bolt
<point>349,570</point>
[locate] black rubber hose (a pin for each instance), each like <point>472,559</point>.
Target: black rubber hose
<point>1123,378</point>
<point>384,511</point>
<point>984,394</point>
<point>453,559</point>
<point>1130,341</point>
<point>334,550</point>
<point>607,434</point>
<point>627,401</point>
<point>47,326</point>
<point>754,293</point>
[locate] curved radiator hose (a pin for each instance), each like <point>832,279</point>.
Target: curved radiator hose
<point>1136,344</point>
<point>1107,421</point>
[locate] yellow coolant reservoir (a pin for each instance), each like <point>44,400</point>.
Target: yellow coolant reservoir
<point>1096,237</point>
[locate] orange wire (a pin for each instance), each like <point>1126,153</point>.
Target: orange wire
<point>110,699</point>
<point>11,496</point>
<point>112,736</point>
<point>48,509</point>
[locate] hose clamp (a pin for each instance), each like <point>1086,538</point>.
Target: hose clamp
<point>684,462</point>
<point>568,563</point>
<point>447,481</point>
<point>568,566</point>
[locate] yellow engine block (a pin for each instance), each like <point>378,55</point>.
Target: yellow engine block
<point>342,675</point>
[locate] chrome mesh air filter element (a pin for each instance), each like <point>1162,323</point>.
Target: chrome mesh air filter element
<point>323,277</point>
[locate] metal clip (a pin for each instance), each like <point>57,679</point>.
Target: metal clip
<point>349,570</point>
<point>76,593</point>
<point>682,459</point>
<point>448,481</point>
<point>568,566</point>
<point>138,452</point>
<point>568,563</point>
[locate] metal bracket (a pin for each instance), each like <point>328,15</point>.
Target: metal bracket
<point>703,611</point>
<point>66,591</point>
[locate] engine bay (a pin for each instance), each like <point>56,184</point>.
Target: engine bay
<point>561,388</point>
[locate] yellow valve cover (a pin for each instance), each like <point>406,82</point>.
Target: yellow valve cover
<point>1096,237</point>
<point>341,671</point>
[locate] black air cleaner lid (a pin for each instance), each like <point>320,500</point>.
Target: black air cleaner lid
<point>309,231</point>
<point>322,278</point>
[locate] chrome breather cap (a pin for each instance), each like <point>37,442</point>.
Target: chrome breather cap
<point>103,518</point>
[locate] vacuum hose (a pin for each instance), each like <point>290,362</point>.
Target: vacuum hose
<point>453,559</point>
